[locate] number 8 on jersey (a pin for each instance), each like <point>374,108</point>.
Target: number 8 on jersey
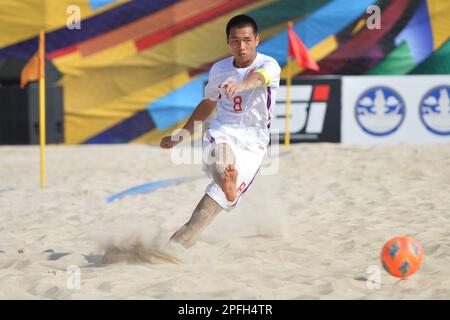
<point>237,104</point>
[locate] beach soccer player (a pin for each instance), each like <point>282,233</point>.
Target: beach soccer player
<point>242,89</point>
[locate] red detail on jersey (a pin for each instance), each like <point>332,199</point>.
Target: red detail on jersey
<point>237,104</point>
<point>241,187</point>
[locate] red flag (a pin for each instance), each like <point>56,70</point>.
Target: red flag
<point>299,51</point>
<point>31,71</point>
<point>35,67</point>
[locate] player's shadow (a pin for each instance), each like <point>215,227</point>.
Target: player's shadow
<point>93,260</point>
<point>57,255</point>
<point>117,256</point>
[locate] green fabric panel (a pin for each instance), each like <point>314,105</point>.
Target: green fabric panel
<point>399,61</point>
<point>283,11</point>
<point>437,63</point>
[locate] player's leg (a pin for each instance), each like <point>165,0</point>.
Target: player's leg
<point>223,170</point>
<point>221,156</point>
<point>229,186</point>
<point>206,210</point>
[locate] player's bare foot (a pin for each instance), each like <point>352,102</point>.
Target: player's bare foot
<point>229,183</point>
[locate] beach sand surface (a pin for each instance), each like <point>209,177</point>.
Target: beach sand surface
<point>313,230</point>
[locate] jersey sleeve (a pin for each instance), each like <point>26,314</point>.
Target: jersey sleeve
<point>271,73</point>
<point>211,89</point>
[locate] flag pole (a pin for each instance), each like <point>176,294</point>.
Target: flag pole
<point>287,131</point>
<point>42,104</point>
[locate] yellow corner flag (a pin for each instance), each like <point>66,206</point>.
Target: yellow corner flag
<point>35,70</point>
<point>287,128</point>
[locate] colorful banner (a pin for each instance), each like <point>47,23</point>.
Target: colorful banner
<point>134,70</point>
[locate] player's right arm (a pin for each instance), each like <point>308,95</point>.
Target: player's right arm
<point>201,113</point>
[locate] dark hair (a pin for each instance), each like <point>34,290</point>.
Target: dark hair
<point>240,21</point>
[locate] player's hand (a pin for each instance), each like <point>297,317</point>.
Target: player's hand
<point>169,142</point>
<point>231,88</point>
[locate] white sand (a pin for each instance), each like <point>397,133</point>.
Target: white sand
<point>311,231</point>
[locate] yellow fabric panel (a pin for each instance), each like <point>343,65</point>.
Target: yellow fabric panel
<point>100,87</point>
<point>67,66</point>
<point>439,11</point>
<point>109,84</point>
<point>82,124</point>
<point>75,65</point>
<point>21,20</point>
<point>318,52</point>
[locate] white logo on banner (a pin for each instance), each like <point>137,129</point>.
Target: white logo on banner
<point>305,114</point>
<point>380,111</point>
<point>434,110</point>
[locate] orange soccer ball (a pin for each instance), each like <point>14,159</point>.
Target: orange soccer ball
<point>402,256</point>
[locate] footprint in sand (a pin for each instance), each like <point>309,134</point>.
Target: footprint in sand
<point>345,246</point>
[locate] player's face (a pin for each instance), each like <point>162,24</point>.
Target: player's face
<point>242,42</point>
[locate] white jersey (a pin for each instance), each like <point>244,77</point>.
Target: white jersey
<point>247,116</point>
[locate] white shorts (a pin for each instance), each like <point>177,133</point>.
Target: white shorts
<point>247,163</point>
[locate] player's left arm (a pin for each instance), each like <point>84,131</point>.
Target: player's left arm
<point>264,76</point>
